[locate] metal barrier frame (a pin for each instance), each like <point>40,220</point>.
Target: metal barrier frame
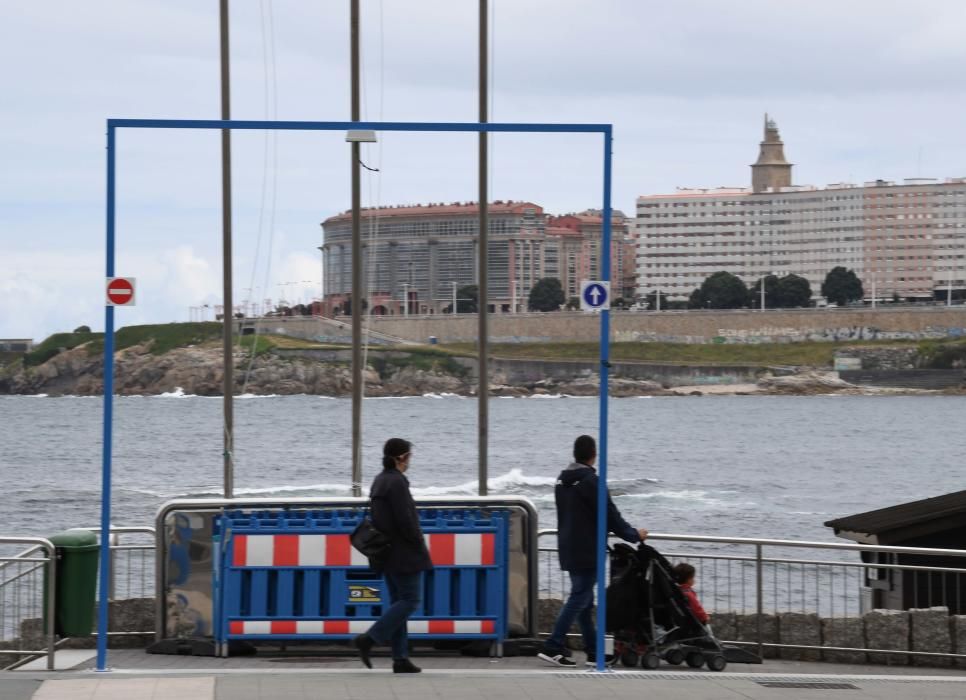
<point>50,565</point>
<point>760,543</point>
<point>217,505</point>
<point>606,131</point>
<point>498,527</point>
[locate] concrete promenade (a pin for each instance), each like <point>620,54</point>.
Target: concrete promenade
<point>291,676</point>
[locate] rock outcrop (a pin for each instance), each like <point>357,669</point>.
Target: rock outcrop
<point>198,370</point>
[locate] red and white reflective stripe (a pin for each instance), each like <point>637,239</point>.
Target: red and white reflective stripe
<point>462,549</point>
<point>446,549</point>
<point>294,628</point>
<point>295,550</point>
<point>451,626</point>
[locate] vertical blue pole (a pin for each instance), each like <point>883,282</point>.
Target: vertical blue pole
<point>105,562</point>
<point>602,452</point>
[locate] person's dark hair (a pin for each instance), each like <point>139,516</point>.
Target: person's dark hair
<point>585,449</point>
<point>683,572</point>
<point>394,447</point>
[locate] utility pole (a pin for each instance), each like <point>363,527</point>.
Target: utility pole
<point>226,255</point>
<point>483,389</point>
<point>356,263</point>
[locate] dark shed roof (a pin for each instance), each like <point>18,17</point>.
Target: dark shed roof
<point>903,516</point>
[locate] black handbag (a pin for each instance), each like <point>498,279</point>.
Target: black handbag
<point>371,541</point>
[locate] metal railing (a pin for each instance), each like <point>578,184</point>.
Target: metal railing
<point>28,583</point>
<point>27,589</point>
<point>758,576</point>
<point>132,563</point>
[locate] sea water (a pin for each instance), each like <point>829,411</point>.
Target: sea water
<point>752,466</point>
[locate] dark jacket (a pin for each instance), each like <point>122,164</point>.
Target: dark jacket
<point>394,514</point>
<point>576,496</point>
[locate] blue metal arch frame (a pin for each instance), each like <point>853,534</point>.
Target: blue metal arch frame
<point>113,125</point>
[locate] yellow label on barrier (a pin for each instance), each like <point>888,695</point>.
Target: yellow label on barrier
<point>364,594</point>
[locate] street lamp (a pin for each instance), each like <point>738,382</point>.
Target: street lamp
<point>454,296</point>
<point>405,299</point>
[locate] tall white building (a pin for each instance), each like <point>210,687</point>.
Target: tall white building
<point>906,240</point>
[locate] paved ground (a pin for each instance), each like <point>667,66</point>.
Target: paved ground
<point>138,676</point>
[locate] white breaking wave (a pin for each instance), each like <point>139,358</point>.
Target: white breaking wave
<point>514,482</point>
<point>178,393</point>
<point>693,496</point>
<point>308,490</point>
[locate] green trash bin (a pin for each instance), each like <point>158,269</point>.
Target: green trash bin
<point>77,555</point>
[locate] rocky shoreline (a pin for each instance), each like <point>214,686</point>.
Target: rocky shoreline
<point>198,370</point>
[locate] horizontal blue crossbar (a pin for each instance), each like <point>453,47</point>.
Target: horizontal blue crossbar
<point>371,126</point>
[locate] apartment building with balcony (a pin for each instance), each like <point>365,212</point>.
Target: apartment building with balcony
<point>905,240</point>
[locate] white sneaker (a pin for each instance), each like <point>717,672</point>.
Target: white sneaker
<point>557,659</point>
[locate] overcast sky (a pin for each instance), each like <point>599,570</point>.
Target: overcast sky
<point>862,89</point>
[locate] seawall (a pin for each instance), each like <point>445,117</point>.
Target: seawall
<point>740,326</point>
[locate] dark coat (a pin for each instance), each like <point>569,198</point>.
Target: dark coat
<point>394,514</point>
<point>576,495</point>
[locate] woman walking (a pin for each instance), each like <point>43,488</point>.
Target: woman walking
<point>394,513</point>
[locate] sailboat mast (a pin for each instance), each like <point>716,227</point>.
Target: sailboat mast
<point>356,264</point>
<point>226,260</point>
<point>483,389</point>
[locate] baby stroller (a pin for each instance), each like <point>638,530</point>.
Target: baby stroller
<point>649,616</point>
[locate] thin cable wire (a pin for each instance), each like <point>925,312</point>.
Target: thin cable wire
<point>270,95</point>
<point>375,200</point>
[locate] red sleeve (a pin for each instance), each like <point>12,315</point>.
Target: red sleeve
<point>695,605</point>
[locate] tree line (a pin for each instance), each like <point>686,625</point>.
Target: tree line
<point>723,290</point>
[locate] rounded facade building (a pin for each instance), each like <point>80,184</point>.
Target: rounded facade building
<point>424,252</point>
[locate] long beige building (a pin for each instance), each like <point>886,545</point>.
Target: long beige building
<point>903,240</point>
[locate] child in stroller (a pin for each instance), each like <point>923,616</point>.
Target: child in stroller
<point>684,574</point>
<point>650,616</point>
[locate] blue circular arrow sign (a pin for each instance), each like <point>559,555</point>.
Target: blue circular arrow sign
<point>595,295</point>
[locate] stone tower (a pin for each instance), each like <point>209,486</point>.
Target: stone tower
<point>771,170</point>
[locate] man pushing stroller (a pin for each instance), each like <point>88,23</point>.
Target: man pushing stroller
<point>576,496</point>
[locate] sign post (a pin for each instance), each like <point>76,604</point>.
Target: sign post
<point>116,290</point>
<point>598,295</point>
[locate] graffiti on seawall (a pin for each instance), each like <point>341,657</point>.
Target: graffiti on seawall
<point>778,334</point>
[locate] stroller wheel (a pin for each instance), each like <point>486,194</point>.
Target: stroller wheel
<point>675,657</point>
<point>629,658</point>
<point>650,660</point>
<point>694,659</point>
<point>717,663</point>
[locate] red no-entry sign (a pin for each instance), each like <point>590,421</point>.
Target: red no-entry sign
<point>120,291</point>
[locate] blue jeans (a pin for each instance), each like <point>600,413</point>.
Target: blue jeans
<point>405,594</point>
<point>578,607</point>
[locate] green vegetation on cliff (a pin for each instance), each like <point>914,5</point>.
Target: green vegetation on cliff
<point>162,338</point>
<point>57,342</point>
<point>810,354</point>
<point>934,354</point>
